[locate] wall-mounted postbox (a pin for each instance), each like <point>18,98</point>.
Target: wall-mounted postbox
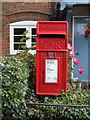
<point>51,57</point>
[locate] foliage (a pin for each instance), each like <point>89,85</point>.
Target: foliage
<point>18,87</point>
<point>18,75</point>
<point>87,25</point>
<point>87,31</point>
<point>75,97</point>
<point>71,63</point>
<point>14,77</point>
<point>30,60</point>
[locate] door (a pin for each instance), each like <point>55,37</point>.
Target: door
<point>81,48</point>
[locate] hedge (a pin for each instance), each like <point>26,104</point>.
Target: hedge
<point>74,97</point>
<point>18,87</point>
<point>15,74</point>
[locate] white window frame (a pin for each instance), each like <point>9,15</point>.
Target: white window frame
<point>22,24</point>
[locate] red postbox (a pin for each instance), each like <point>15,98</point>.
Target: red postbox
<point>51,57</point>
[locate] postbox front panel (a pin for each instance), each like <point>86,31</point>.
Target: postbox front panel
<point>50,78</point>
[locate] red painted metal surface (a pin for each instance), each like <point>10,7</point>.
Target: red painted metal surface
<point>51,55</point>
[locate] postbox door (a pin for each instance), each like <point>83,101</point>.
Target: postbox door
<point>50,78</point>
<point>51,57</point>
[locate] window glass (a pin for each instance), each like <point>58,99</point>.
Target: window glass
<point>19,31</point>
<point>18,38</point>
<point>19,46</point>
<point>33,31</point>
<point>33,37</point>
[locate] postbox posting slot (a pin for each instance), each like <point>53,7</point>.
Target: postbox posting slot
<point>52,35</point>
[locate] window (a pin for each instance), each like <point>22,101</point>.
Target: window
<point>17,36</point>
<point>16,31</point>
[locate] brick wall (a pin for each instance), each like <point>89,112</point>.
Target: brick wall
<point>36,11</point>
<point>21,11</point>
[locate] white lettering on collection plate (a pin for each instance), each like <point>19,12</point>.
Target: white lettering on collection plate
<point>51,70</point>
